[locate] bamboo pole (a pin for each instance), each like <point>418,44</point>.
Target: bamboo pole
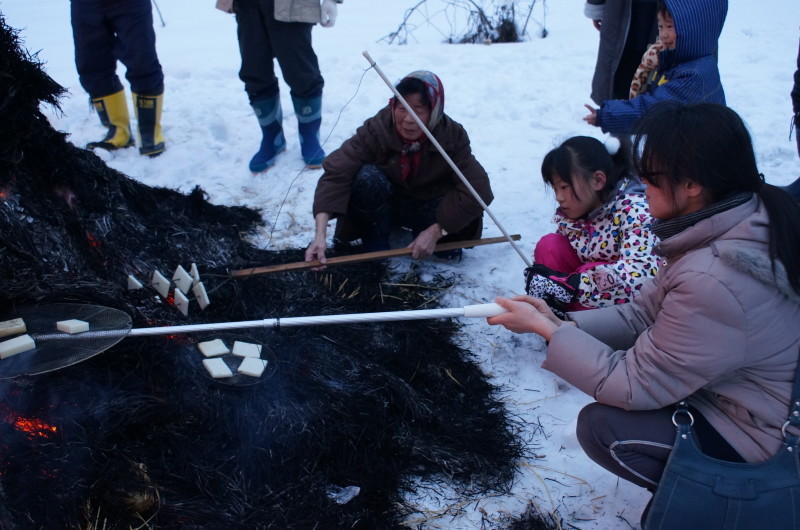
<point>358,258</point>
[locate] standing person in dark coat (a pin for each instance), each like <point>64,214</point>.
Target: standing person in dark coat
<point>390,176</point>
<point>105,32</point>
<point>281,29</point>
<point>626,28</point>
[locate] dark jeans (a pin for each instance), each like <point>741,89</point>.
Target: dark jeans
<point>378,209</point>
<point>635,445</point>
<point>105,32</point>
<point>263,39</point>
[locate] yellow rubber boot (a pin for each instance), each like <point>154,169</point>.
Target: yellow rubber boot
<point>148,115</point>
<point>113,113</point>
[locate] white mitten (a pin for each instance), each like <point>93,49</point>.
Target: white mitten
<point>328,18</point>
<point>225,5</point>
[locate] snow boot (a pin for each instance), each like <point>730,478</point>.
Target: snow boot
<point>270,118</point>
<point>113,113</point>
<point>148,114</point>
<point>309,118</point>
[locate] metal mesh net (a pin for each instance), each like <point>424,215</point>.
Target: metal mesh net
<point>56,349</point>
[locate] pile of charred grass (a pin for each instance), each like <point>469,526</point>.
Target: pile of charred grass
<point>140,436</point>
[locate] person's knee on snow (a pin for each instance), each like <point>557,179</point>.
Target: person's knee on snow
<point>369,205</point>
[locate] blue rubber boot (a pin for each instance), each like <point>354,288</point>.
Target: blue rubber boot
<point>270,117</point>
<point>309,118</point>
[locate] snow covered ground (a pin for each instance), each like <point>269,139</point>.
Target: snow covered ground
<point>517,101</point>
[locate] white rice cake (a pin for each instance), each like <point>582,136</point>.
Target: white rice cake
<point>195,274</point>
<point>199,291</point>
<point>183,280</point>
<point>252,366</point>
<point>213,348</point>
<point>217,368</point>
<point>72,326</point>
<point>12,327</point>
<point>16,345</point>
<point>246,349</point>
<point>181,302</point>
<point>160,284</point>
<point>133,283</point>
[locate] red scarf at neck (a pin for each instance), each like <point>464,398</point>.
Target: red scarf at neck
<point>409,158</point>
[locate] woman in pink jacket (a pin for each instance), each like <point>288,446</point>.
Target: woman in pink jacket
<point>718,325</point>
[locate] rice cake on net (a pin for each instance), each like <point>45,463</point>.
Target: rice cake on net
<point>213,348</point>
<point>12,327</point>
<point>72,326</point>
<point>16,345</point>
<point>246,349</point>
<point>217,368</point>
<point>252,366</point>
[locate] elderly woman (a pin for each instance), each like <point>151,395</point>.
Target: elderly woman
<point>389,176</point>
<point>717,326</point>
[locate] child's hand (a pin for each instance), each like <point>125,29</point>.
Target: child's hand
<point>526,314</point>
<point>591,119</point>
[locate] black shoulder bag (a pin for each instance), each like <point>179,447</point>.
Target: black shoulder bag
<point>700,492</point>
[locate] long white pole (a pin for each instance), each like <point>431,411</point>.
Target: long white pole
<point>446,157</point>
<point>470,311</point>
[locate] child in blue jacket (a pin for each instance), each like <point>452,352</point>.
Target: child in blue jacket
<point>687,73</point>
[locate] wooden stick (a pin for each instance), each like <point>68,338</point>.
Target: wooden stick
<point>357,258</point>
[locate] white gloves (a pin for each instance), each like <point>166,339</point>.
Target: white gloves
<point>328,18</point>
<point>225,5</point>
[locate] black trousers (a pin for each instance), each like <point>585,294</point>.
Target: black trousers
<point>635,445</point>
<point>105,32</point>
<point>378,208</point>
<point>263,39</point>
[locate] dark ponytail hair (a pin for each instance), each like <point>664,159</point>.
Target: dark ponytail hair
<point>710,145</point>
<point>585,155</point>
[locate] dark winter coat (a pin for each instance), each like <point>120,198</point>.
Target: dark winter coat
<point>715,325</point>
<point>376,142</point>
<point>796,101</point>
<point>624,36</point>
<point>688,73</point>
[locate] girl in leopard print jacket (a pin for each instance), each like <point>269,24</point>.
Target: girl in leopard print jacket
<point>601,252</point>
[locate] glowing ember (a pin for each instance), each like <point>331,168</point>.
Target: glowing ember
<point>35,427</point>
<point>93,241</point>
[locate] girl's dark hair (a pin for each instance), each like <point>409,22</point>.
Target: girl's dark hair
<point>585,155</point>
<point>412,85</point>
<point>662,9</point>
<point>710,145</point>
